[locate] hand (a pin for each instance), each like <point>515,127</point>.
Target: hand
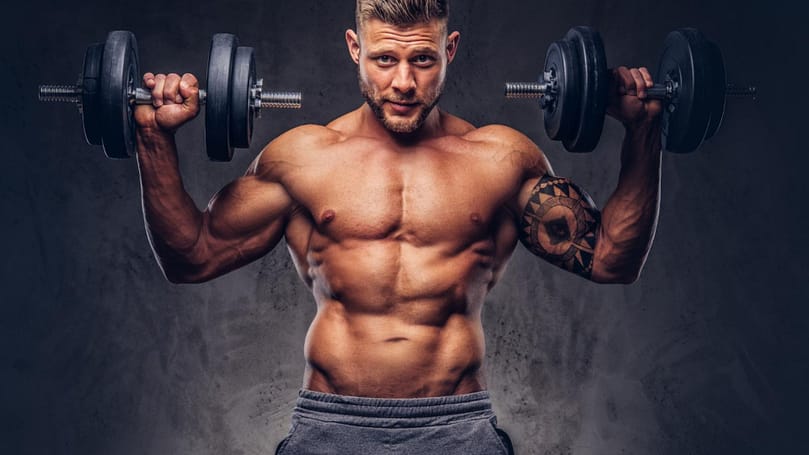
<point>627,98</point>
<point>175,101</point>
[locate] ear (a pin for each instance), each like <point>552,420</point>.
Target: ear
<point>452,45</point>
<point>353,43</point>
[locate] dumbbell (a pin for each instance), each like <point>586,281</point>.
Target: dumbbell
<point>573,89</point>
<point>108,89</point>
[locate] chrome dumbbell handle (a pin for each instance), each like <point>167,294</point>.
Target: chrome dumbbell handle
<point>262,100</point>
<point>534,90</point>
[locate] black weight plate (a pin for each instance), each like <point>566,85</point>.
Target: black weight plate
<point>716,92</point>
<point>686,117</point>
<point>592,65</point>
<point>90,104</point>
<point>217,103</point>
<point>241,115</point>
<point>562,115</point>
<point>119,71</point>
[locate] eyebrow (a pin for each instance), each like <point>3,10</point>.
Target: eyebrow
<point>390,50</point>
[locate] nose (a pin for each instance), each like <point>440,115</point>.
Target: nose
<point>404,81</point>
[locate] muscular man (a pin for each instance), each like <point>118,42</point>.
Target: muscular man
<point>400,218</point>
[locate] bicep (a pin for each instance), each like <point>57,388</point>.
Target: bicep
<point>559,222</point>
<point>245,220</point>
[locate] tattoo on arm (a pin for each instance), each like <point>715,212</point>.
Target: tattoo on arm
<point>559,224</point>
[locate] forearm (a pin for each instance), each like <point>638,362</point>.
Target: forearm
<point>173,222</point>
<point>629,219</point>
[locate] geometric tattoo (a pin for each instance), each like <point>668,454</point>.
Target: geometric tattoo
<point>559,224</point>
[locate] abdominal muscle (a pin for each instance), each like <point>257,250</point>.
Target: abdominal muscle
<point>395,320</point>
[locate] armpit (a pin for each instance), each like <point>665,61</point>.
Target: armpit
<point>559,223</point>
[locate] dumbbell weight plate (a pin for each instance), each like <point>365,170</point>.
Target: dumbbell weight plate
<point>90,104</point>
<point>592,64</point>
<point>716,92</point>
<point>244,77</point>
<point>685,119</point>
<point>562,115</point>
<point>119,69</point>
<point>217,105</point>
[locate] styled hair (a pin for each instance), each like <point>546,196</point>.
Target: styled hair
<point>401,12</point>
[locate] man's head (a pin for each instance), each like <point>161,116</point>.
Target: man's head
<point>402,50</point>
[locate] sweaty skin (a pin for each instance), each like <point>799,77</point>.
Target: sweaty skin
<point>399,217</point>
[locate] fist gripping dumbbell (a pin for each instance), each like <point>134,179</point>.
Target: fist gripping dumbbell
<point>573,89</point>
<point>108,90</point>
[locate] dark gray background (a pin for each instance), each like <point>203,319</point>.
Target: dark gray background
<point>705,354</point>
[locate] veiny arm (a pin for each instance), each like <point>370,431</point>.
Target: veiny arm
<point>560,221</point>
<point>561,224</point>
<point>242,222</point>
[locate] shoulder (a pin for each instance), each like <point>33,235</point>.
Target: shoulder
<point>505,142</point>
<point>292,147</point>
<point>503,135</point>
<point>494,134</point>
<point>302,137</point>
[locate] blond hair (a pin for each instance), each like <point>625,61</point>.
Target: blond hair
<point>401,12</point>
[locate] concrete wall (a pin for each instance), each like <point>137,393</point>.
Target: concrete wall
<point>706,354</point>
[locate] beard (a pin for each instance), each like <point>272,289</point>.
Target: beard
<point>426,105</point>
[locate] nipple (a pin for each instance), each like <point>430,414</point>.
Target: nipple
<point>328,216</point>
<point>475,217</point>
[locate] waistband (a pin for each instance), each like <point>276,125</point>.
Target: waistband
<point>393,412</point>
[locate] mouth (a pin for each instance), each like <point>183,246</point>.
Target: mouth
<point>402,108</point>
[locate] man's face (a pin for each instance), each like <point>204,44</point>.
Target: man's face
<point>402,69</point>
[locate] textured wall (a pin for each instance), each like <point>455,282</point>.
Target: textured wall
<point>706,354</point>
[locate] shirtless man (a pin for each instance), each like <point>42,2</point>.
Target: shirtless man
<point>400,218</point>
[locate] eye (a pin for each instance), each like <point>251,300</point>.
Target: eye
<point>424,60</point>
<point>385,60</point>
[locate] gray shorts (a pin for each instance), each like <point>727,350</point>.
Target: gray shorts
<point>323,423</point>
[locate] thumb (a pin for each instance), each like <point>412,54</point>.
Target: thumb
<point>189,90</point>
